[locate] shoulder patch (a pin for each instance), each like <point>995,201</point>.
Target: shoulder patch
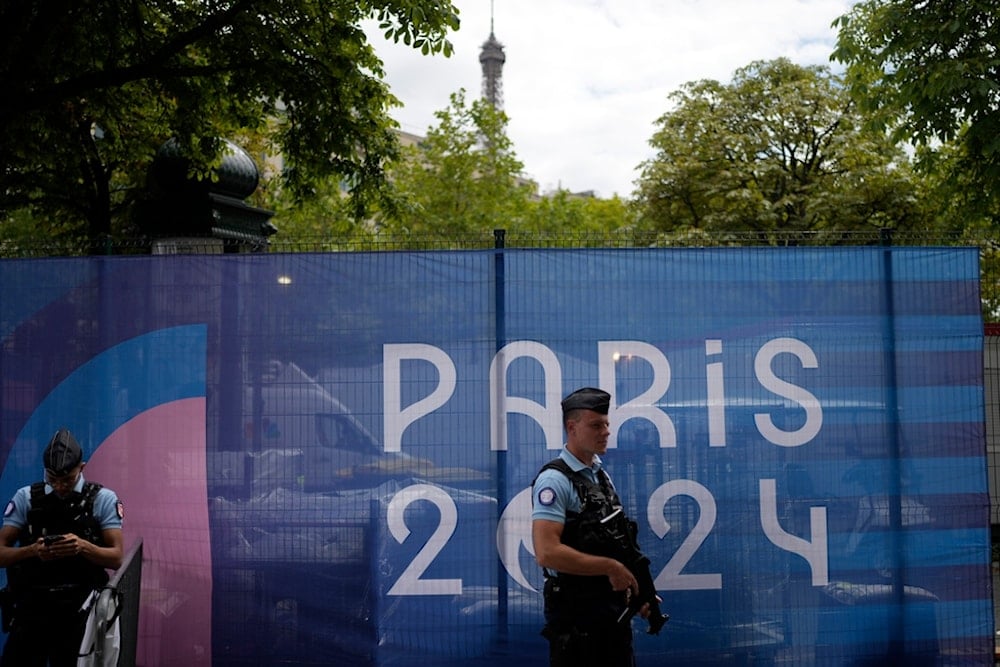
<point>547,496</point>
<point>10,509</point>
<point>120,508</point>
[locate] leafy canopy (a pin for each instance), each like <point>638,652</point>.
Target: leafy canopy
<point>781,148</point>
<point>456,185</point>
<point>93,88</point>
<point>462,179</point>
<point>929,71</point>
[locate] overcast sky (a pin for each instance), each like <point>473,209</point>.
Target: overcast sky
<point>585,80</point>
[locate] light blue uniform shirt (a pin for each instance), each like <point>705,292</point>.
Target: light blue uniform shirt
<point>554,494</point>
<point>106,509</point>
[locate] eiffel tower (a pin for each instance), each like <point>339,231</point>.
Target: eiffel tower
<point>492,59</point>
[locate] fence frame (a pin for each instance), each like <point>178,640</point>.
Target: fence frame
<point>120,600</point>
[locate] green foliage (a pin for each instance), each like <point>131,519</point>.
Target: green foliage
<point>92,88</point>
<point>779,149</point>
<point>455,187</point>
<point>930,73</point>
<point>572,219</point>
<point>462,179</point>
<point>323,221</point>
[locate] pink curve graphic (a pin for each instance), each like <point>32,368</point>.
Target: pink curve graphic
<point>156,464</point>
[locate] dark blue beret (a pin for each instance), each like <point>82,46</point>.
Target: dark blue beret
<point>63,453</point>
<point>587,398</point>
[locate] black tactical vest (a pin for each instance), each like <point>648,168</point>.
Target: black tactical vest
<point>597,501</point>
<point>51,515</point>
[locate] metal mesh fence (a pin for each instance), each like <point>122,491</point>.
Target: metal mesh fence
<point>510,238</point>
<point>991,383</point>
<point>302,461</point>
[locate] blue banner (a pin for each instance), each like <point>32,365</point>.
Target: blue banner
<point>328,456</point>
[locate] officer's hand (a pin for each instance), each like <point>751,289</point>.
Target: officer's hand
<point>621,578</point>
<point>70,545</point>
<point>644,610</point>
<point>42,550</point>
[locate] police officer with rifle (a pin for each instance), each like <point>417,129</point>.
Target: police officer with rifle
<point>58,537</point>
<point>596,578</point>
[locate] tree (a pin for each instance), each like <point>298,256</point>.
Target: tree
<point>321,221</point>
<point>779,149</point>
<point>462,179</point>
<point>92,88</point>
<point>930,73</point>
<point>459,183</point>
<point>571,219</point>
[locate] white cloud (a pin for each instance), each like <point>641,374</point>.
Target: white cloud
<point>585,80</point>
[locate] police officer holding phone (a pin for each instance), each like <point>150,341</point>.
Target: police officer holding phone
<point>58,539</point>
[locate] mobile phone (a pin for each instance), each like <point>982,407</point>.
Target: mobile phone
<point>50,539</point>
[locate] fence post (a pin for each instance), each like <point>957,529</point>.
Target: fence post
<point>499,245</point>
<point>897,624</point>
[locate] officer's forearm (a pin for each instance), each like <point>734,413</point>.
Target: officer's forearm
<point>10,555</point>
<point>568,560</point>
<point>107,557</point>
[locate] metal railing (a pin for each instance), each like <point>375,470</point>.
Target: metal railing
<point>119,601</point>
<point>485,239</point>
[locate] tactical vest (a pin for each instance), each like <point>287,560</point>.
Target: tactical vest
<point>51,515</point>
<point>597,501</point>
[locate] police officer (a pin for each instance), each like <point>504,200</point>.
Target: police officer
<point>58,538</point>
<point>585,594</point>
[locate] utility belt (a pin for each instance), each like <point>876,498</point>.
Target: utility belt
<point>577,586</point>
<point>55,590</point>
<point>35,601</point>
<point>37,598</point>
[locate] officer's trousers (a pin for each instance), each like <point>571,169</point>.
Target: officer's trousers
<point>582,627</point>
<point>46,631</point>
<point>595,647</point>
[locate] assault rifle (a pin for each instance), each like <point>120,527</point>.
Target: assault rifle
<point>625,534</point>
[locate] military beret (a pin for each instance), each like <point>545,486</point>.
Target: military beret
<point>62,454</point>
<point>587,398</point>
